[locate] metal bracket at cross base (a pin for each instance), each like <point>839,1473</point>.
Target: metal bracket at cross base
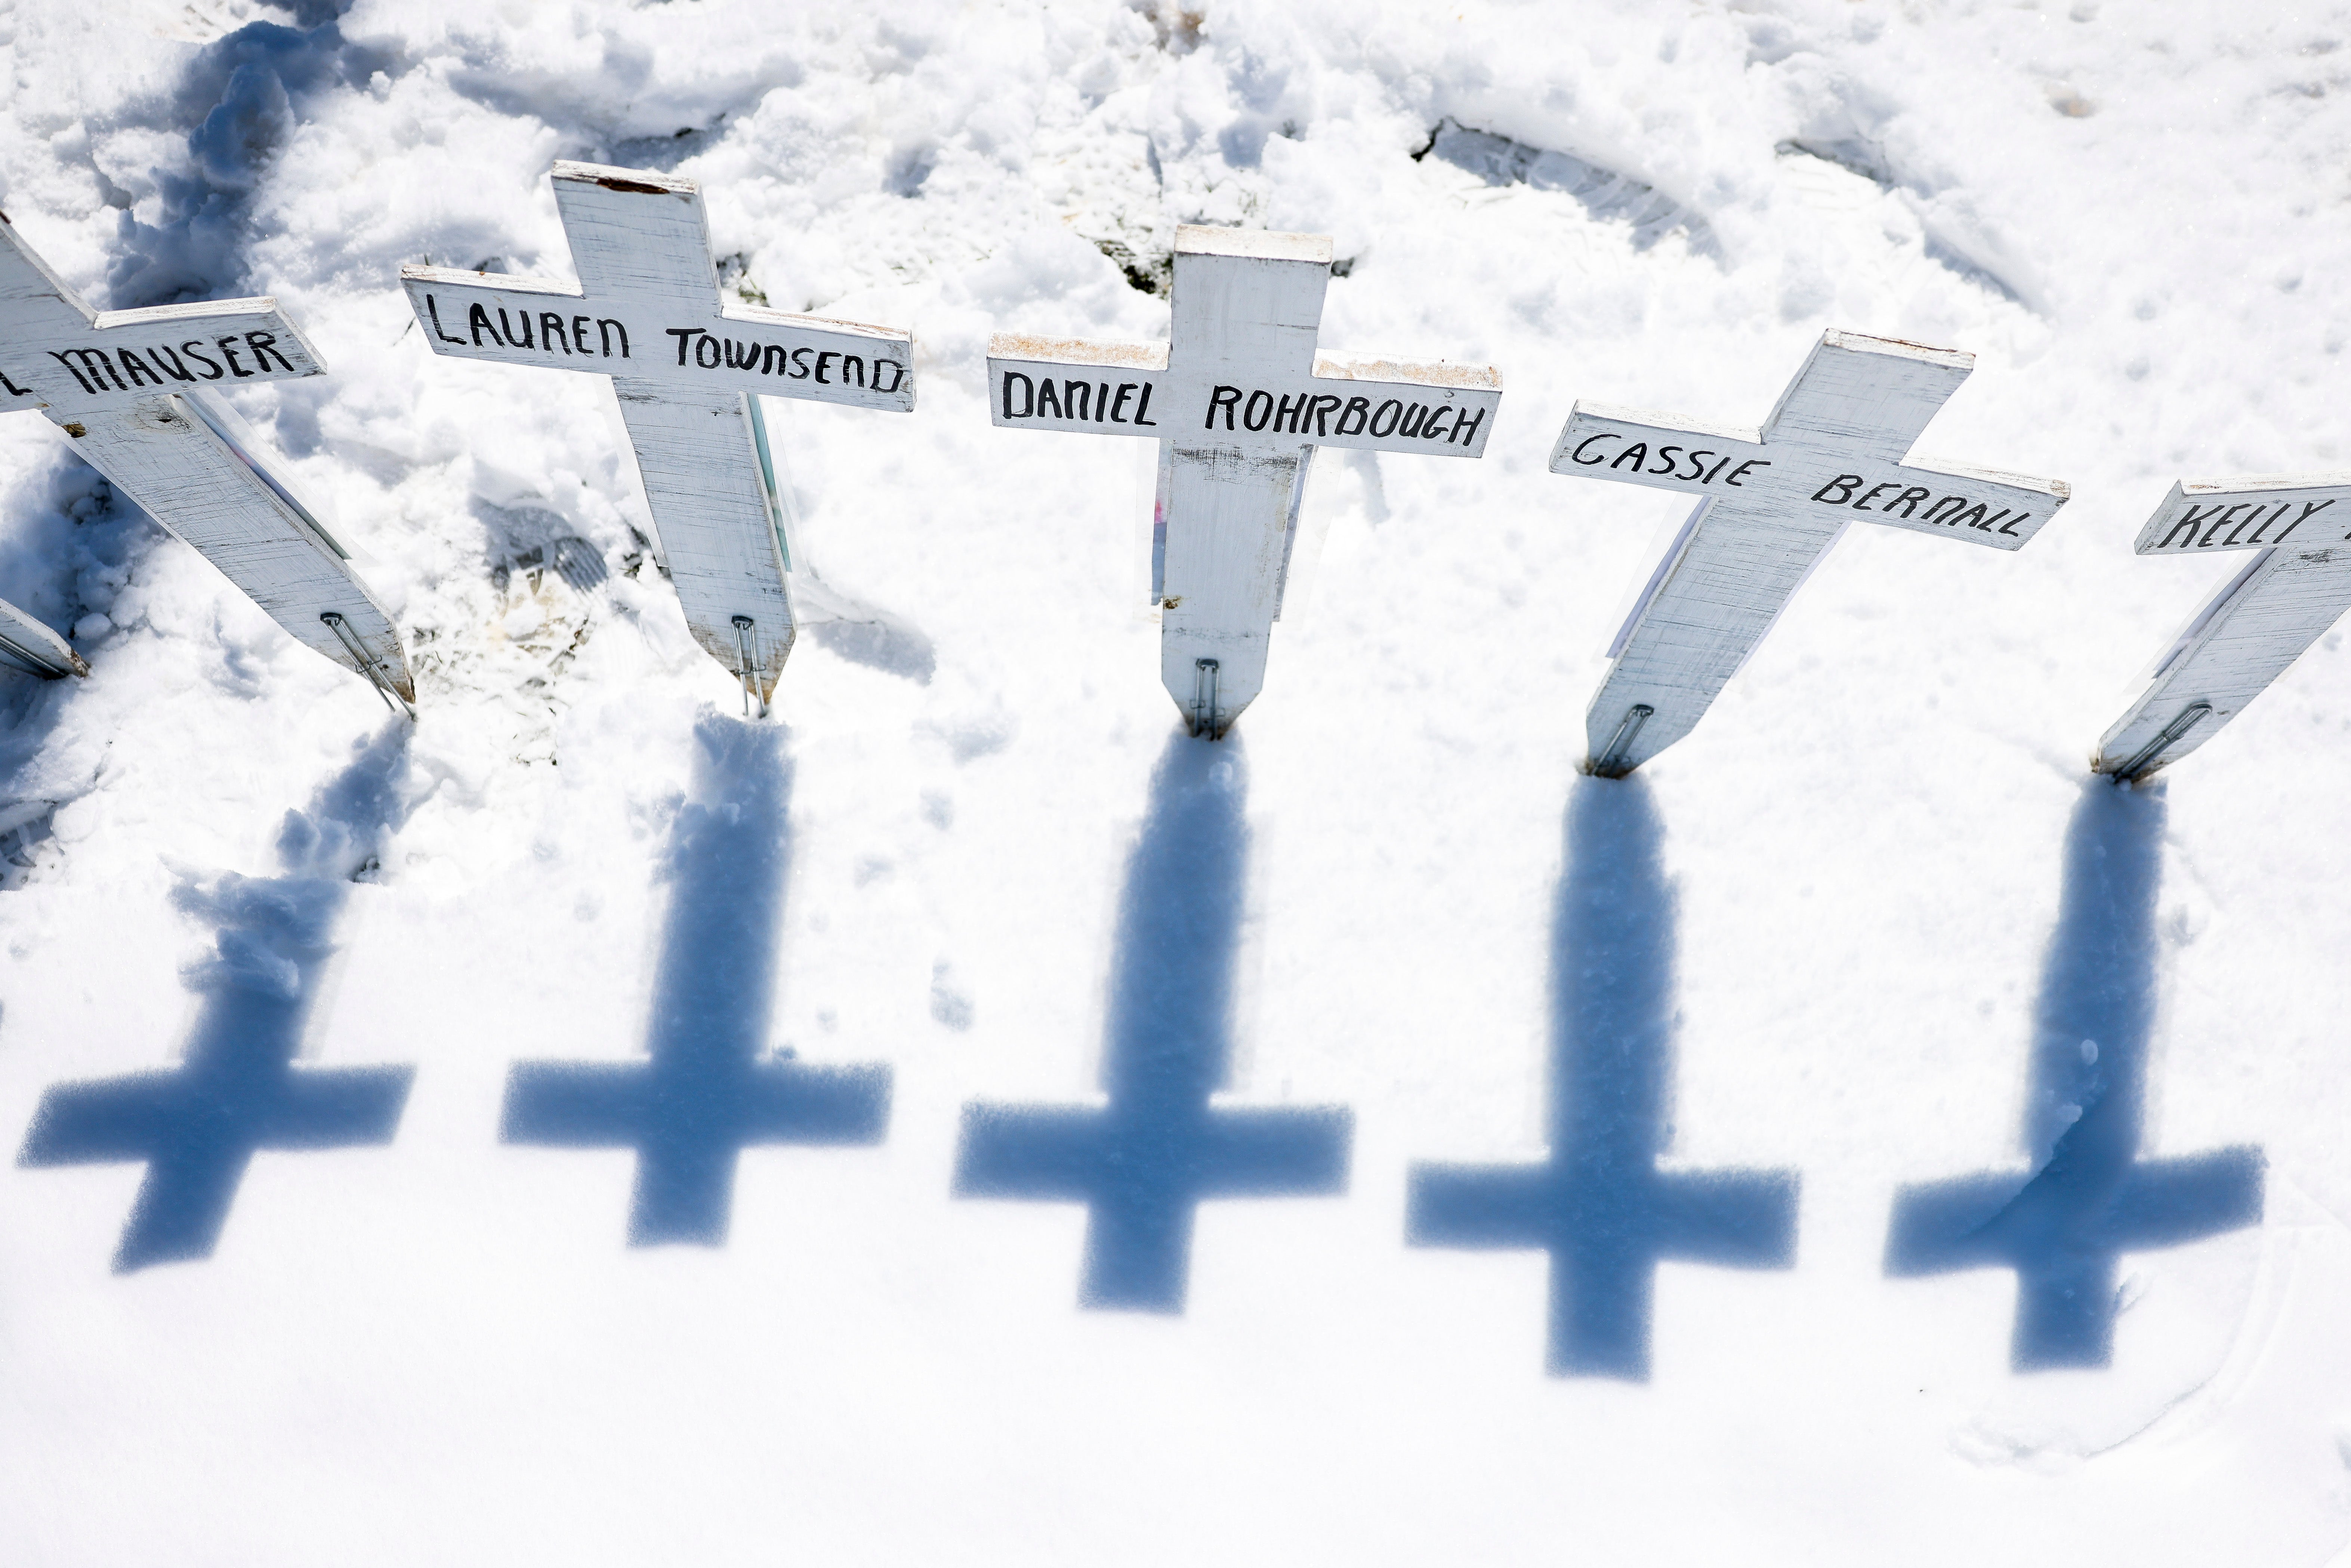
<point>367,663</point>
<point>1203,717</point>
<point>747,668</point>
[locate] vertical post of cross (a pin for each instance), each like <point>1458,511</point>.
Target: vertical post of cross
<point>1772,502</point>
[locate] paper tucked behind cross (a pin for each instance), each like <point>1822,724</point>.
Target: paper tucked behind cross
<point>1238,400</point>
<point>134,389</point>
<point>1775,500</point>
<point>687,369</point>
<point>2296,586</point>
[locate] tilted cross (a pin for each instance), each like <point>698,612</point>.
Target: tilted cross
<point>1241,399</point>
<point>1775,500</point>
<point>135,390</point>
<point>2245,635</point>
<point>687,368</point>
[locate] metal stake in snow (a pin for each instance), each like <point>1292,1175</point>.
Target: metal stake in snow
<point>686,369</point>
<point>28,644</point>
<point>2293,589</point>
<point>135,391</point>
<point>1238,401</point>
<point>1775,500</point>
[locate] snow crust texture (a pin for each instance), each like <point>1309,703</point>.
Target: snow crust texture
<point>960,1119</point>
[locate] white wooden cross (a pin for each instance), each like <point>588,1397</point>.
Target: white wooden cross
<point>1775,500</point>
<point>28,644</point>
<point>135,390</point>
<point>686,369</point>
<point>2297,584</point>
<point>1240,399</point>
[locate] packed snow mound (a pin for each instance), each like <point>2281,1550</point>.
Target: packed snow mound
<point>962,1119</point>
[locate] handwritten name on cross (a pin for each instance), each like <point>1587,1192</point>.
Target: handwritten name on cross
<point>1775,500</point>
<point>135,390</point>
<point>2245,635</point>
<point>687,368</point>
<point>1241,399</point>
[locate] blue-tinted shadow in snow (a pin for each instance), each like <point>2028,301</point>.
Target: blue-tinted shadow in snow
<point>2087,1197</point>
<point>1143,1162</point>
<point>711,1089</point>
<point>1599,1206</point>
<point>198,1126</point>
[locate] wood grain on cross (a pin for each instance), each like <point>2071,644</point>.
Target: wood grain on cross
<point>1240,398</point>
<point>1775,500</point>
<point>136,391</point>
<point>686,369</point>
<point>2297,584</point>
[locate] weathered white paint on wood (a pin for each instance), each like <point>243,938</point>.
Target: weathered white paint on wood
<point>686,368</point>
<point>28,644</point>
<point>134,390</point>
<point>1773,501</point>
<point>2242,638</point>
<point>1239,399</point>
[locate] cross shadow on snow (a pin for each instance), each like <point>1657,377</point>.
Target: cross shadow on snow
<point>197,1127</point>
<point>1144,1161</point>
<point>710,1088</point>
<point>1599,1205</point>
<point>2087,1197</point>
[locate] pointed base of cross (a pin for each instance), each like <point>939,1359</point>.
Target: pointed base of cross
<point>198,1128</point>
<point>2063,1229</point>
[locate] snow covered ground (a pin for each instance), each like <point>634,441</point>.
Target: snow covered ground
<point>1870,930</point>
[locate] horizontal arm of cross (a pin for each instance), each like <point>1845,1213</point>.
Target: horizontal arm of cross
<point>2260,513</point>
<point>121,356</point>
<point>1068,384</point>
<point>1128,388</point>
<point>534,322</point>
<point>56,350</point>
<point>1660,450</point>
<point>1383,400</point>
<point>1924,495</point>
